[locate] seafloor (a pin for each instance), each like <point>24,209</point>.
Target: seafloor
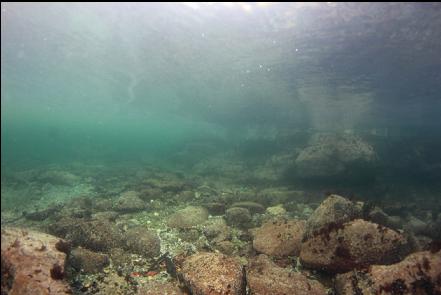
<point>146,229</point>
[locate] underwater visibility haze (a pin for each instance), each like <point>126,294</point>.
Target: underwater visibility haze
<point>292,147</point>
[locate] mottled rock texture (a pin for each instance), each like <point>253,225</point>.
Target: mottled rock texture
<point>419,273</point>
<point>279,238</point>
<point>264,277</point>
<point>213,274</point>
<point>31,263</point>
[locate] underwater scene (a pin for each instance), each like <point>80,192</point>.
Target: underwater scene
<point>214,148</point>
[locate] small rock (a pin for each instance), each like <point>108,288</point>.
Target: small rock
<point>186,196</point>
<point>215,208</point>
<point>239,217</point>
<point>216,229</point>
<point>150,194</point>
<point>276,210</point>
<point>225,247</point>
<point>96,235</point>
<point>377,215</point>
<point>415,225</point>
<point>333,210</point>
<point>129,202</point>
<point>88,261</point>
<point>103,205</point>
<point>264,277</point>
<point>188,217</point>
<point>253,207</point>
<point>213,274</point>
<point>142,241</point>
<point>279,238</point>
<point>159,288</point>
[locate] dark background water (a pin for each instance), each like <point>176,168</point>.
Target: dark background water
<point>146,82</point>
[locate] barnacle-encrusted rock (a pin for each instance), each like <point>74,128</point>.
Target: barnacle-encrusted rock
<point>358,243</point>
<point>188,217</point>
<point>213,274</point>
<point>32,263</point>
<point>265,277</point>
<point>129,202</point>
<point>279,237</point>
<point>333,210</point>
<point>419,273</point>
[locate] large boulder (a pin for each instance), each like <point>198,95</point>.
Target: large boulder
<point>32,263</point>
<point>334,210</point>
<point>330,155</point>
<point>279,238</point>
<point>265,277</point>
<point>188,217</point>
<point>354,244</point>
<point>213,274</point>
<point>419,273</point>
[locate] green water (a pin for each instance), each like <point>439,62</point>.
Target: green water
<point>140,83</point>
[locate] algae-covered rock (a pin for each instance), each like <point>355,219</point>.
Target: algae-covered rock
<point>142,241</point>
<point>216,229</point>
<point>88,261</point>
<point>215,208</point>
<point>357,243</point>
<point>419,273</point>
<point>213,274</point>
<point>96,235</point>
<point>129,202</point>
<point>239,217</point>
<point>253,207</point>
<point>276,210</point>
<point>188,217</point>
<point>333,210</point>
<point>264,277</point>
<point>279,238</point>
<point>32,263</point>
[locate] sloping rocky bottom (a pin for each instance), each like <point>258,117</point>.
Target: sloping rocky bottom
<point>160,233</point>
